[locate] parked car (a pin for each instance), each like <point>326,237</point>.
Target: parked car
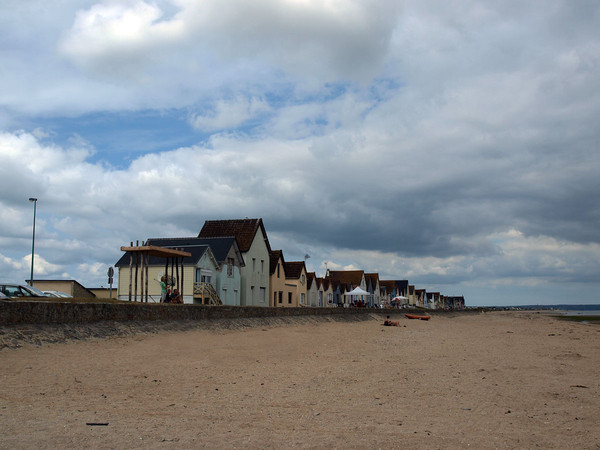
<point>57,294</point>
<point>20,290</point>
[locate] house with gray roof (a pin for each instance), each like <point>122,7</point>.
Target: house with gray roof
<point>226,277</point>
<point>254,246</point>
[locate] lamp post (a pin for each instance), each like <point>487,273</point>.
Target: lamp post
<point>34,200</point>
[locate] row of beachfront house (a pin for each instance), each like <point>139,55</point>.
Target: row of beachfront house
<point>231,262</point>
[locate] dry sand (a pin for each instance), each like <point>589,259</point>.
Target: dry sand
<point>493,380</point>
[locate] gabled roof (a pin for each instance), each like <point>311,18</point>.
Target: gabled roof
<point>335,285</point>
<point>388,285</point>
<point>244,231</point>
<point>220,246</point>
<point>293,269</point>
<point>372,277</point>
<point>353,277</point>
<point>402,284</point>
<point>197,251</point>
<point>275,256</point>
<point>311,276</point>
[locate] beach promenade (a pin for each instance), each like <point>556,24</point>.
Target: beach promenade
<point>491,380</point>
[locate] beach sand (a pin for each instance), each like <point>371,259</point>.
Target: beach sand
<point>489,380</point>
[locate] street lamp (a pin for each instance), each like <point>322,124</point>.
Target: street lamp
<point>34,200</point>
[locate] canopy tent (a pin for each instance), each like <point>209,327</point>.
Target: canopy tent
<point>357,297</point>
<point>399,298</point>
<point>357,291</point>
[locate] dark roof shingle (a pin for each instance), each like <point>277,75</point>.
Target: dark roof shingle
<point>244,231</point>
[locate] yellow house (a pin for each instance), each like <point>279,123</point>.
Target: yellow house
<point>201,262</point>
<point>296,279</point>
<point>282,292</point>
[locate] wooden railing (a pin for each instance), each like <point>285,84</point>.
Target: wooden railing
<point>207,293</point>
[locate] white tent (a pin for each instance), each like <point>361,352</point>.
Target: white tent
<point>357,291</point>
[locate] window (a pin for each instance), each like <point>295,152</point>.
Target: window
<point>289,298</point>
<point>280,297</point>
<point>203,275</point>
<point>302,278</point>
<point>262,266</point>
<point>229,267</point>
<point>302,298</point>
<point>278,265</point>
<point>253,264</point>
<point>263,292</point>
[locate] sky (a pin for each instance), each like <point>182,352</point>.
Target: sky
<point>453,144</point>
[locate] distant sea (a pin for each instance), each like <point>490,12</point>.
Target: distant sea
<point>579,310</point>
<point>567,310</point>
<point>570,310</point>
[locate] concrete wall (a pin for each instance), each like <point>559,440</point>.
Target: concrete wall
<point>31,312</point>
<point>104,292</point>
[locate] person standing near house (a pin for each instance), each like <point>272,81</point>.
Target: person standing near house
<point>163,289</point>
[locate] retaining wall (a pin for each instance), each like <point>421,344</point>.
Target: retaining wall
<point>31,312</point>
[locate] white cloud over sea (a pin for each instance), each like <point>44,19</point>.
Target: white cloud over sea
<point>454,145</point>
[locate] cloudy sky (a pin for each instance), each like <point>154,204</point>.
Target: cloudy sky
<point>453,144</point>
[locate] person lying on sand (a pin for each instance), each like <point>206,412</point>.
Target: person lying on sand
<point>391,323</point>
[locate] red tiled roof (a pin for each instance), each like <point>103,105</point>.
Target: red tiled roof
<point>244,231</point>
<point>293,269</point>
<point>346,276</point>
<point>389,284</point>
<point>374,277</point>
<point>275,255</point>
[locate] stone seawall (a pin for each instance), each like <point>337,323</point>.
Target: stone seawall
<point>39,323</point>
<point>42,312</point>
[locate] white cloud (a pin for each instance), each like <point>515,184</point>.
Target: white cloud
<point>229,113</point>
<point>416,136</point>
<point>41,266</point>
<point>114,37</point>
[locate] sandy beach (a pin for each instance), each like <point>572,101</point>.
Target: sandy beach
<point>490,380</point>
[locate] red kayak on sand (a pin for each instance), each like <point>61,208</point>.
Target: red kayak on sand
<point>414,316</point>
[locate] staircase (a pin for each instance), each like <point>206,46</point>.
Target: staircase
<point>207,293</point>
